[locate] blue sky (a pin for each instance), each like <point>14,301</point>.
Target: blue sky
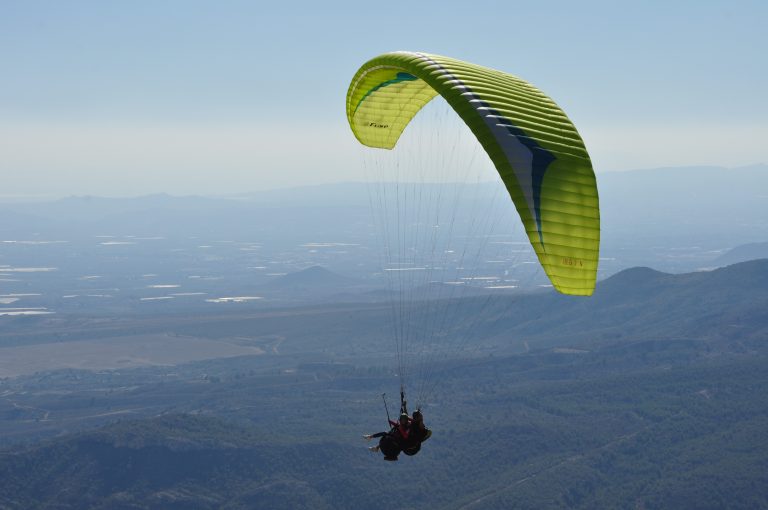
<point>126,98</point>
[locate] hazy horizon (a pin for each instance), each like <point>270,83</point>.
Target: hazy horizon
<point>21,198</point>
<point>127,100</point>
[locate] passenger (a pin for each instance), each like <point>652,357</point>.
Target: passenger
<point>391,443</point>
<point>418,433</point>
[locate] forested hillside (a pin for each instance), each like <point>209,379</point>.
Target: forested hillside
<point>655,399</point>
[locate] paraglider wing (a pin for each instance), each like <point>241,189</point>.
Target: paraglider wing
<point>534,146</point>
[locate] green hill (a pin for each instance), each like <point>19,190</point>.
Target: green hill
<point>653,394</point>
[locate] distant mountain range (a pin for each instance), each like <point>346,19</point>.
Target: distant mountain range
<point>724,307</point>
<point>743,253</point>
<point>677,219</point>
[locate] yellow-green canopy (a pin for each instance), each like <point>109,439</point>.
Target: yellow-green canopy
<point>534,146</point>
